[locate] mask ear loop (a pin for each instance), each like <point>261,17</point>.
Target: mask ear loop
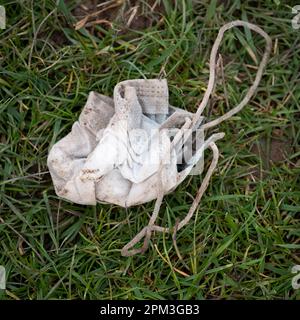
<point>212,73</point>
<point>147,231</point>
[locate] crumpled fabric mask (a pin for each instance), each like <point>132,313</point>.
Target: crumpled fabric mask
<point>128,150</point>
<point>113,152</point>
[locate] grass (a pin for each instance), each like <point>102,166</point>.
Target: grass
<point>244,238</point>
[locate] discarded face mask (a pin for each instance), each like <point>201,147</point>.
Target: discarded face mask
<point>136,147</point>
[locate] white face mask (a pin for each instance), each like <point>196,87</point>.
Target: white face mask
<point>135,147</point>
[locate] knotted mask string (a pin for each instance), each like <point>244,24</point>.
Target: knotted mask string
<point>147,231</point>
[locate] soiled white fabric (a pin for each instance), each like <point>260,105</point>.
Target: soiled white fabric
<point>120,147</point>
<point>132,149</point>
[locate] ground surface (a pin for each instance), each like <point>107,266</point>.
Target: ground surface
<point>244,238</point>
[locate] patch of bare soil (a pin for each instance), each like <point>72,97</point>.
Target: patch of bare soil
<point>59,39</point>
<point>271,152</point>
<point>122,15</point>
